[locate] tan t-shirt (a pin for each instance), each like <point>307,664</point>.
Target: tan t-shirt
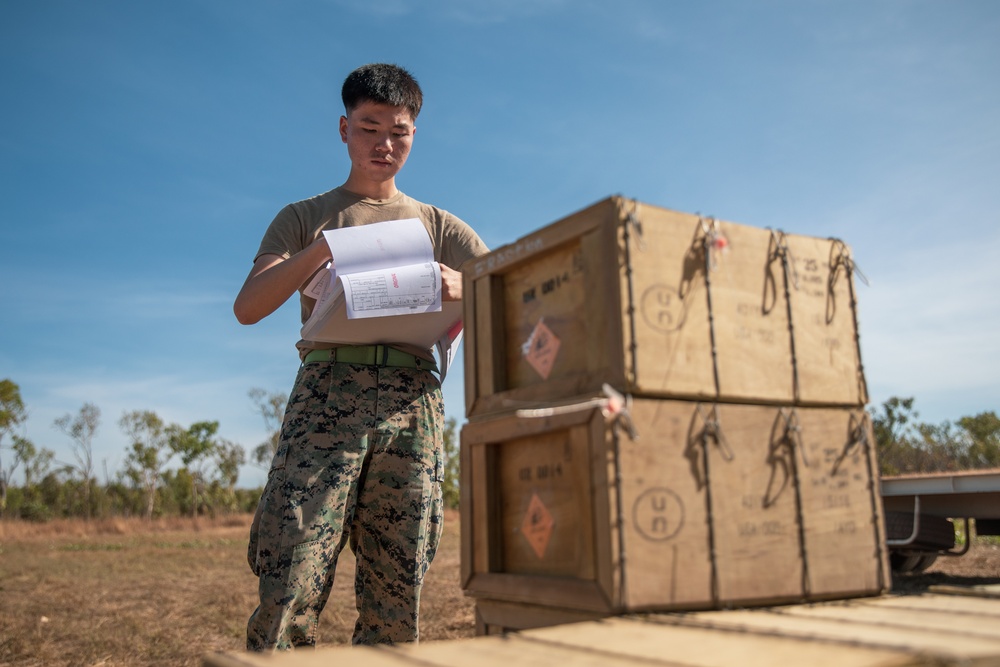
<point>299,224</point>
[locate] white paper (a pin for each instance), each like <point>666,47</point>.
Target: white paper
<point>319,282</point>
<point>386,268</point>
<point>383,287</point>
<point>379,245</point>
<point>447,348</point>
<point>400,290</point>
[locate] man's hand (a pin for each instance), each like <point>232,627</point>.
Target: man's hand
<point>451,284</point>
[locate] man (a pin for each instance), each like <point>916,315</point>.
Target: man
<point>360,453</point>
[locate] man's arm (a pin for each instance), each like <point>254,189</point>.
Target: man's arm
<point>273,279</point>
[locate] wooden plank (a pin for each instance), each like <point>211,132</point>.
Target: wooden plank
<point>703,647</point>
<point>953,604</point>
<point>958,625</point>
<point>510,650</point>
<point>991,591</point>
<point>891,631</point>
<point>322,657</point>
<point>774,621</point>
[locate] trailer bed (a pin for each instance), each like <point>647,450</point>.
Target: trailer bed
<point>947,626</point>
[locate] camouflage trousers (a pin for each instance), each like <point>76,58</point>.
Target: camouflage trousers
<point>359,461</point>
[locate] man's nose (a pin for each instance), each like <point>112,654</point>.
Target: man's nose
<point>384,144</point>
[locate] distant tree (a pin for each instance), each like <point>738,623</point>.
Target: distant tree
<point>196,446</point>
<point>450,483</point>
<point>81,429</point>
<point>12,415</point>
<point>229,456</point>
<point>893,426</point>
<point>143,462</point>
<point>908,446</point>
<point>938,448</point>
<point>271,407</point>
<point>983,432</point>
<point>36,461</point>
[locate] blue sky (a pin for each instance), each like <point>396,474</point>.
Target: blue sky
<point>147,145</point>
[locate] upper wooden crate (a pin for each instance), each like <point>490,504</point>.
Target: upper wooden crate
<point>662,304</point>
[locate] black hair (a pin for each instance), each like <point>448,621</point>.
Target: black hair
<point>383,84</point>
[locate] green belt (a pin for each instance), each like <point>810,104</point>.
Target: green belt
<point>370,355</point>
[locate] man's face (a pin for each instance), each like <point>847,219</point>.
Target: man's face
<point>378,139</point>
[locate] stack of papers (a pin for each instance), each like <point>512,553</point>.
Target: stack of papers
<point>383,286</point>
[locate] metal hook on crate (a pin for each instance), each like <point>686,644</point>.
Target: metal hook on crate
<point>632,220</point>
<point>793,434</point>
<point>840,255</point>
<point>783,252</point>
<point>789,438</point>
<point>713,429</point>
<point>857,435</point>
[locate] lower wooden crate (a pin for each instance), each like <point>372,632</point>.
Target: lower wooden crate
<point>670,505</point>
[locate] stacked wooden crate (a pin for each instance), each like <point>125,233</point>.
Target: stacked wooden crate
<point>665,412</point>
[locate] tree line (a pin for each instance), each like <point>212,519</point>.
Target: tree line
<point>205,467</point>
<point>168,469</point>
<point>907,445</point>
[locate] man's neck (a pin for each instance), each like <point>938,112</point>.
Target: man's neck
<point>383,190</point>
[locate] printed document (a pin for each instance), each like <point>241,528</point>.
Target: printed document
<point>383,286</point>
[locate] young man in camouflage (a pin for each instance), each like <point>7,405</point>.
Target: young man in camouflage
<point>360,453</point>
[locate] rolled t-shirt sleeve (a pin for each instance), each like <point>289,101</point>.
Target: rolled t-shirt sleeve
<point>285,236</point>
<point>461,243</point>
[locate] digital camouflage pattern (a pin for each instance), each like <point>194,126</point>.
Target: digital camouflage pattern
<point>359,461</point>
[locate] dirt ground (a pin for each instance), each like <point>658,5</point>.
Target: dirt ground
<point>980,566</point>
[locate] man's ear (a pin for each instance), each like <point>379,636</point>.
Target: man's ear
<point>343,129</point>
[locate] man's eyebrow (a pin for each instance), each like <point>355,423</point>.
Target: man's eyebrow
<point>372,121</point>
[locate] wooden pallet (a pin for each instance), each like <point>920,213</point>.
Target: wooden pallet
<point>929,629</point>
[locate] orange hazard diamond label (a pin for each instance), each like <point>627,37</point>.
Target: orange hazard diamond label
<point>541,349</point>
<point>537,525</point>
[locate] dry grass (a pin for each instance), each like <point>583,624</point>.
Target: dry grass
<point>123,592</point>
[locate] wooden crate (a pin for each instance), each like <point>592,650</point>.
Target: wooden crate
<point>709,506</point>
<point>660,303</point>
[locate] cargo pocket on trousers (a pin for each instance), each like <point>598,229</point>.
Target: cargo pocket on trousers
<point>307,571</point>
<point>265,531</point>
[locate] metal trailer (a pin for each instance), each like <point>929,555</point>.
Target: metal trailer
<point>920,511</point>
